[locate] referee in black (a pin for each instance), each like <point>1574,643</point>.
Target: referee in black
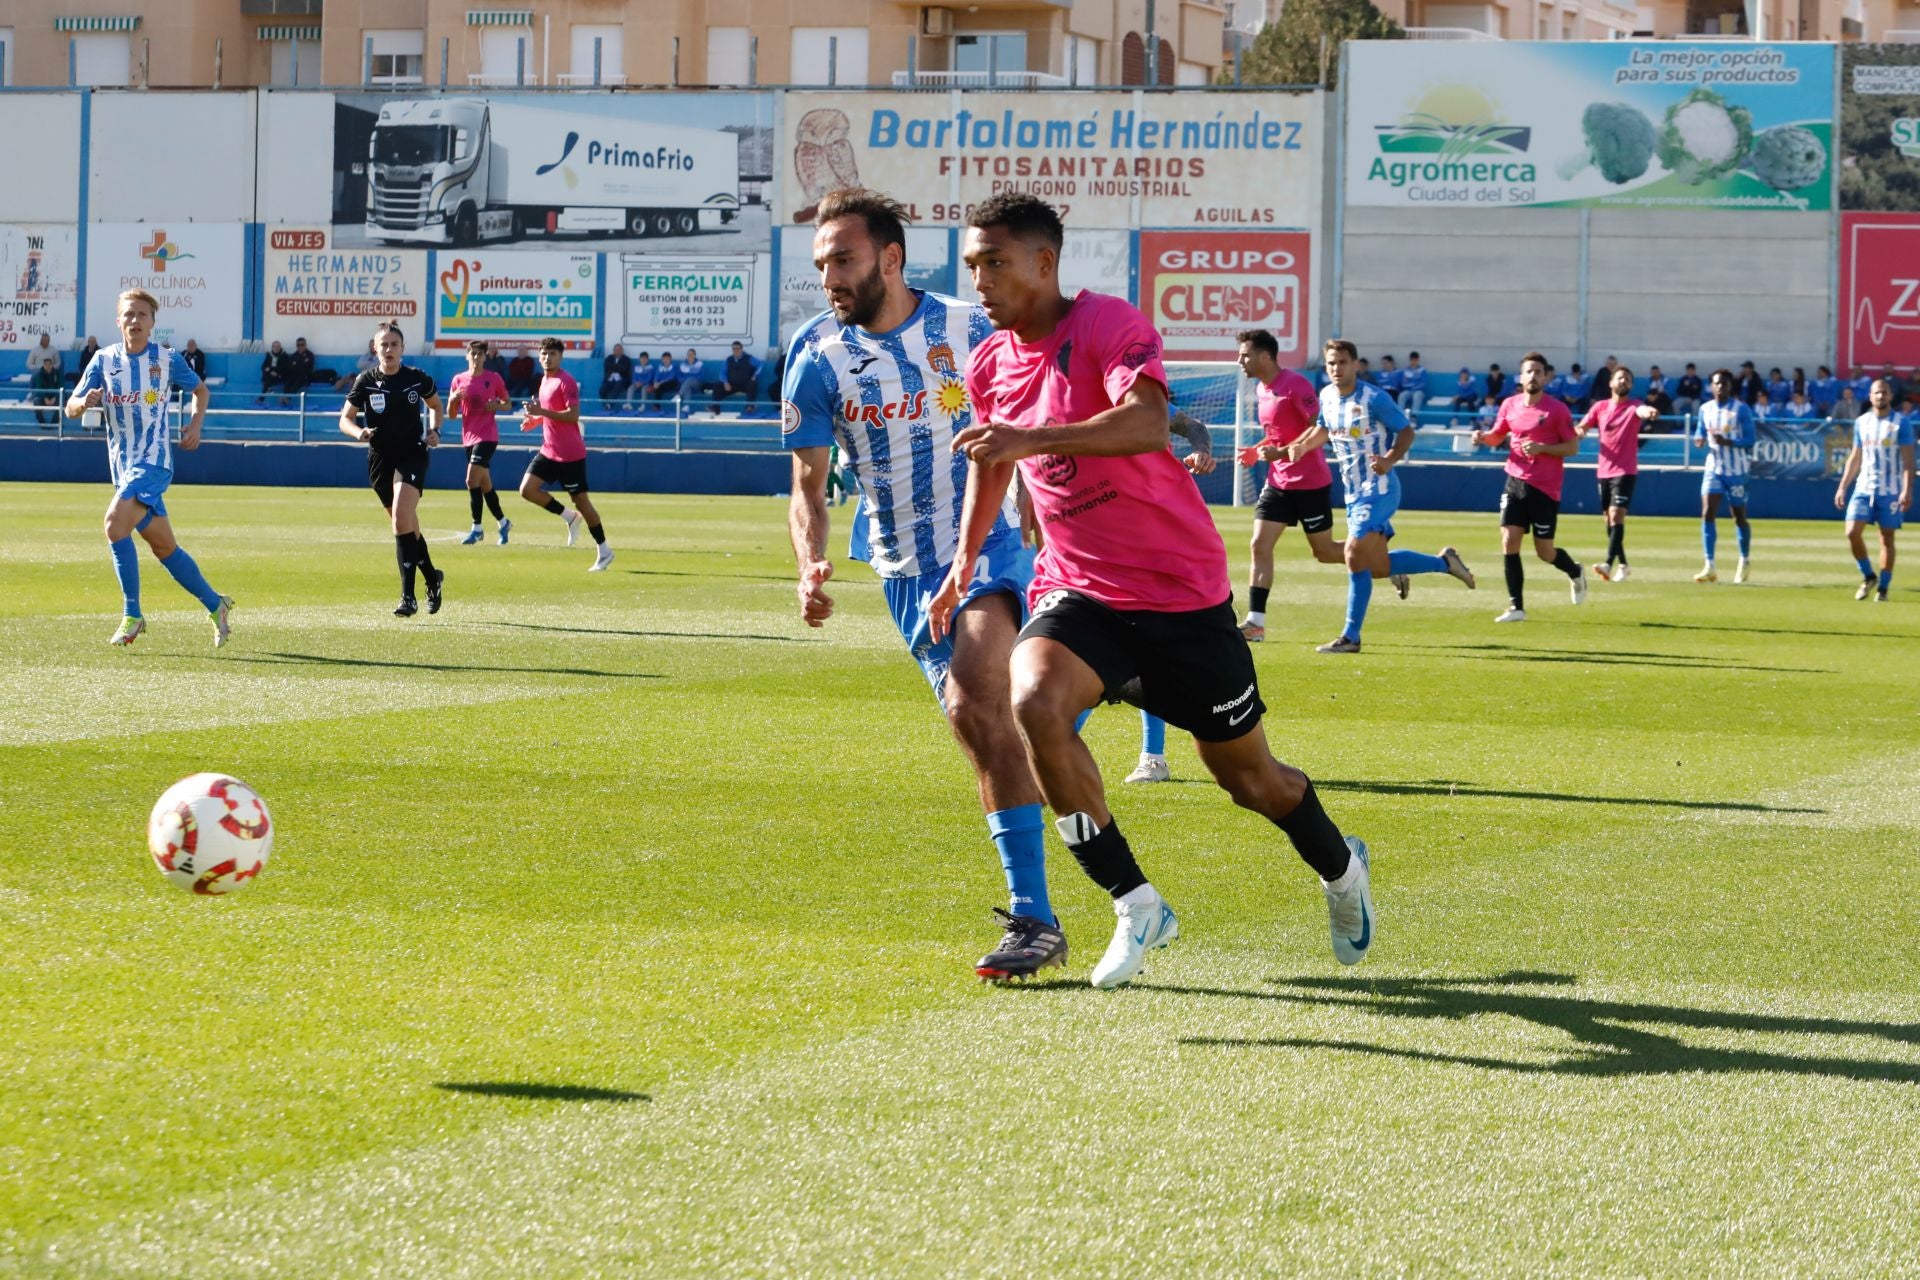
<point>402,421</point>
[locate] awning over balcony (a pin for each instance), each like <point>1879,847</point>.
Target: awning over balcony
<point>124,22</point>
<point>286,33</point>
<point>499,17</point>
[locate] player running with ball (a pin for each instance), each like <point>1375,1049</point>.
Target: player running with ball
<point>1130,593</point>
<point>132,383</point>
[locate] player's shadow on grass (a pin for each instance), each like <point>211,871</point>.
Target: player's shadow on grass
<point>335,660</point>
<point>1442,787</point>
<point>1612,1037</point>
<point>1587,658</point>
<point>1765,631</point>
<point>688,573</point>
<point>540,1092</point>
<point>663,635</point>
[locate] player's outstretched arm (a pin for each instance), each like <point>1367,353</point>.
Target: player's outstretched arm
<point>807,527</point>
<point>986,494</point>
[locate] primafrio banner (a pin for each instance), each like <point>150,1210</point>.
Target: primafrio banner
<point>1655,125</point>
<point>1129,159</point>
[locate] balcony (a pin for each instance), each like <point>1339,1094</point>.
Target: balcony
<point>280,8</point>
<point>978,80</point>
<point>1447,33</point>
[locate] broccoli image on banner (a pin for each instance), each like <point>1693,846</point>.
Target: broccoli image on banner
<point>1788,158</point>
<point>1619,142</point>
<point>1704,138</point>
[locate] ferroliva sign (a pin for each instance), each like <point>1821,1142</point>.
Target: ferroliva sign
<point>1656,125</point>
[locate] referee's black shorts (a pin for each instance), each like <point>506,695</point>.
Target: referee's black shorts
<point>384,469</point>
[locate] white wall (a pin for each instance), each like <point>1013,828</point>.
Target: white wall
<point>173,156</point>
<point>40,154</point>
<point>296,158</point>
<point>1469,286</point>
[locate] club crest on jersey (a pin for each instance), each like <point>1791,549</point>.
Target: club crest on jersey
<point>1057,470</point>
<point>940,358</point>
<point>789,417</point>
<point>906,408</point>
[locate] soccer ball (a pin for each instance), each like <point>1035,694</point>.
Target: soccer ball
<point>210,834</point>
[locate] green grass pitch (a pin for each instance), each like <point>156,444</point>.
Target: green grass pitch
<point>620,925</point>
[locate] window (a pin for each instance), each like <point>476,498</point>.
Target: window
<point>613,65</point>
<point>103,59</point>
<point>506,56</point>
<point>283,57</point>
<point>1190,73</point>
<point>6,56</point>
<point>1082,61</point>
<point>815,48</point>
<point>397,56</point>
<point>729,56</point>
<point>997,52</point>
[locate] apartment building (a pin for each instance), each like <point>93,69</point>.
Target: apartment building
<point>168,43</point>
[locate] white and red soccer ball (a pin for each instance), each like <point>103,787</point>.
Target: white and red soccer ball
<point>210,834</point>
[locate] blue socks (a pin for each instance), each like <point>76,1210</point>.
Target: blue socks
<point>126,567</point>
<point>1709,536</point>
<point>1020,835</point>
<point>188,575</point>
<point>1153,735</point>
<point>1414,562</point>
<point>1866,568</point>
<point>1886,579</point>
<point>1745,534</point>
<point>1359,592</point>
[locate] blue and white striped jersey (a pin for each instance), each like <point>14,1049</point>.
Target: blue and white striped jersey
<point>1880,441</point>
<point>136,397</point>
<point>893,401</point>
<point>1734,419</point>
<point>1360,428</point>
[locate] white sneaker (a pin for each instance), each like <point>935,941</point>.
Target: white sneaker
<point>602,559</point>
<point>1401,583</point>
<point>1623,572</point>
<point>1866,588</point>
<point>1350,912</point>
<point>1141,925</point>
<point>1512,615</point>
<point>1579,587</point>
<point>1706,573</point>
<point>573,525</point>
<point>1150,769</point>
<point>1458,567</point>
<point>1601,572</point>
<point>221,625</point>
<point>1740,571</point>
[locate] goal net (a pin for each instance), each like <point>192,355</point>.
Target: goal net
<point>1218,394</point>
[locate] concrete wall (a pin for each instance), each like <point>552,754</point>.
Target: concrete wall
<point>1468,286</point>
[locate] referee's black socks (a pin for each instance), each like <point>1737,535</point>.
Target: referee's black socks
<point>1319,842</point>
<point>1102,853</point>
<point>403,556</point>
<point>421,556</point>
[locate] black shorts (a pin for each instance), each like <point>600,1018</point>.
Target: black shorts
<point>481,455</point>
<point>1311,509</point>
<point>1525,507</point>
<point>571,476</point>
<point>1617,491</point>
<point>384,469</point>
<point>1193,669</point>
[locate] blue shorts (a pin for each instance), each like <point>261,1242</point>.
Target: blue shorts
<point>1733,488</point>
<point>1004,565</point>
<point>1883,510</point>
<point>147,485</point>
<point>1373,514</point>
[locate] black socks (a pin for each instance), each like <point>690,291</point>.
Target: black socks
<point>1565,563</point>
<point>553,505</point>
<point>599,534</point>
<point>1257,599</point>
<point>1617,544</point>
<point>473,505</point>
<point>1318,841</point>
<point>1104,855</point>
<point>493,504</point>
<point>1516,581</point>
<point>403,555</point>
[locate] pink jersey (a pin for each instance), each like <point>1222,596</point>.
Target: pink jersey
<point>1619,427</point>
<point>559,440</point>
<point>1132,532</point>
<point>1289,408</point>
<point>1549,422</point>
<point>472,392</point>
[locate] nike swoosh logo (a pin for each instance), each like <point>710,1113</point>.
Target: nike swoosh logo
<point>1140,938</point>
<point>1242,716</point>
<point>1366,930</point>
